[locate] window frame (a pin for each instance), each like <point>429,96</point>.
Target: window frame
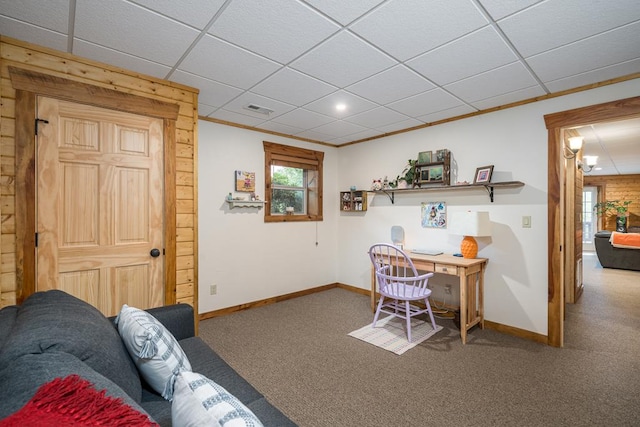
<point>309,160</point>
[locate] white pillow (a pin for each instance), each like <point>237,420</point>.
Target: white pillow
<point>154,350</point>
<point>198,401</point>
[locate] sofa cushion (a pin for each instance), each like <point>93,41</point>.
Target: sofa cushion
<point>153,348</point>
<point>21,379</point>
<point>7,319</point>
<point>56,322</point>
<point>199,401</point>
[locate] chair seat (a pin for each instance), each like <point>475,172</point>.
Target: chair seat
<point>405,292</point>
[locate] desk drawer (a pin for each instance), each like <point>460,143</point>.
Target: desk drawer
<point>446,269</point>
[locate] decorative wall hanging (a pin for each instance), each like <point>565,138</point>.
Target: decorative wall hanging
<point>246,181</point>
<point>434,214</point>
<point>483,174</point>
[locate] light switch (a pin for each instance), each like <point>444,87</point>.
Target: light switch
<point>526,222</point>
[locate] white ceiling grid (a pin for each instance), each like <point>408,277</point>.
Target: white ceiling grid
<point>395,64</point>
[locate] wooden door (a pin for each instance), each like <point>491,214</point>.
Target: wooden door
<point>99,205</point>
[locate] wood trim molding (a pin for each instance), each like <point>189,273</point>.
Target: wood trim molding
<point>70,90</point>
<point>556,124</point>
<point>170,241</point>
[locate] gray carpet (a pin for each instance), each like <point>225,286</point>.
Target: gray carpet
<point>298,354</point>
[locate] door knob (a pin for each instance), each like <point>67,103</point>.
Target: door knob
<point>155,252</point>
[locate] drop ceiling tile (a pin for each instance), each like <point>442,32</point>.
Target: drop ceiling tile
<point>604,50</point>
<point>239,68</point>
<point>339,128</point>
<point>369,133</point>
<point>343,60</point>
<point>196,13</point>
<point>425,103</point>
<point>280,128</point>
<point>344,11</point>
<point>599,75</point>
<point>54,16</point>
<point>380,116</point>
<point>391,85</point>
<point>293,87</point>
<point>119,59</point>
<point>238,105</point>
<point>554,23</point>
<point>32,34</point>
<point>303,119</point>
<point>316,136</point>
<point>117,25</point>
<point>233,117</point>
<point>211,92</point>
<point>508,98</point>
<point>498,9</point>
<point>405,124</point>
<point>327,105</point>
<point>205,110</point>
<point>496,82</point>
<point>406,28</point>
<point>480,51</point>
<point>278,29</point>
<point>446,114</point>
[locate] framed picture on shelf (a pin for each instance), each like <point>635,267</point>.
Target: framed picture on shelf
<point>441,155</point>
<point>246,181</point>
<point>424,157</point>
<point>430,174</point>
<point>483,174</point>
<point>435,174</point>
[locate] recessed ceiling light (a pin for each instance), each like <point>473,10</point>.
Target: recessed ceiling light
<point>341,107</point>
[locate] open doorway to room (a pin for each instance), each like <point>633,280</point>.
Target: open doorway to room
<point>561,215</point>
<point>589,219</point>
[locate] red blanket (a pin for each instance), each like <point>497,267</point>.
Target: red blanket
<point>625,240</point>
<point>73,402</point>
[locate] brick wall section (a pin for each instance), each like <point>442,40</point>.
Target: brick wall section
<point>618,187</point>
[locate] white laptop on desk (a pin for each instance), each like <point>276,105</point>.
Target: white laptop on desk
<point>426,252</point>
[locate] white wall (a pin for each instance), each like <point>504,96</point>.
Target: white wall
<point>515,141</point>
<point>245,257</point>
<point>249,260</point>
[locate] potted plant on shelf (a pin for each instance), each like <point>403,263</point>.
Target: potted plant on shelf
<point>620,208</point>
<point>407,176</point>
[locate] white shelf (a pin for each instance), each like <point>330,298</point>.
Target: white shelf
<point>245,203</point>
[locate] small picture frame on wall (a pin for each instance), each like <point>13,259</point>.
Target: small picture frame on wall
<point>483,174</point>
<point>424,157</point>
<point>245,181</point>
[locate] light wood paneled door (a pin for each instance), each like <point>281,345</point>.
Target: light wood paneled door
<point>99,205</point>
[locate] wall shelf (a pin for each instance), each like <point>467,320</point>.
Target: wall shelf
<point>489,187</point>
<point>245,203</point>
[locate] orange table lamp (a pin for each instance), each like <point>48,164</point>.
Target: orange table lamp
<point>470,224</point>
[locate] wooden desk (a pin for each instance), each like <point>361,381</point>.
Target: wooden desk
<point>471,274</point>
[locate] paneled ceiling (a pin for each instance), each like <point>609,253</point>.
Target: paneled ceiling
<point>284,65</point>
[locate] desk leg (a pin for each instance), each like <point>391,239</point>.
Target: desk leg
<point>463,307</point>
<point>481,296</point>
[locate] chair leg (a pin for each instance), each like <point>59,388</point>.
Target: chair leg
<point>408,316</point>
<point>375,317</point>
<point>433,322</point>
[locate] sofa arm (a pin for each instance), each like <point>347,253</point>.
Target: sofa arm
<point>177,318</point>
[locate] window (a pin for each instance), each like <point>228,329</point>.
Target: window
<point>293,183</point>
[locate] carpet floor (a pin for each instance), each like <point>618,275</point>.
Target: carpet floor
<point>298,354</point>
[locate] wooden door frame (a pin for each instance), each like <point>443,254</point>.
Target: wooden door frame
<point>556,123</point>
<point>31,84</point>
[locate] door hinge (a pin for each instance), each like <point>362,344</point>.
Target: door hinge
<point>40,120</point>
<point>36,240</point>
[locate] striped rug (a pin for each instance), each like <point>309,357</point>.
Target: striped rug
<point>390,334</point>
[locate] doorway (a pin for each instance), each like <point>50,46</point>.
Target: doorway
<point>589,219</point>
<point>560,238</point>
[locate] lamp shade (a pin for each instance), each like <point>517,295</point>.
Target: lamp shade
<point>470,224</point>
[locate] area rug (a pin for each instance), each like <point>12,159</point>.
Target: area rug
<point>390,334</point>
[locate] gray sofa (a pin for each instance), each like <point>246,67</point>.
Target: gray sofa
<point>53,334</point>
<point>612,257</point>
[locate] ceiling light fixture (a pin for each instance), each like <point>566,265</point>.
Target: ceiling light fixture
<point>341,107</point>
<point>589,163</point>
<point>575,144</point>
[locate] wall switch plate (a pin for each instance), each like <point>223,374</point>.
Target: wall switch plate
<point>526,222</point>
<point>213,289</point>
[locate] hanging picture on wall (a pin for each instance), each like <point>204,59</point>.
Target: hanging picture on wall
<point>434,215</point>
<point>246,181</point>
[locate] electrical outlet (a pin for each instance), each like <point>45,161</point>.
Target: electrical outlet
<point>213,289</point>
<point>447,289</point>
